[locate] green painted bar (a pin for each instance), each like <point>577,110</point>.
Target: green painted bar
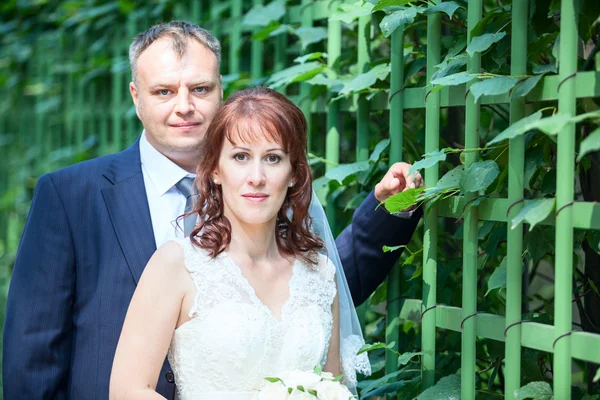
<point>586,215</point>
<point>469,289</point>
<point>216,25</point>
<point>362,117</point>
<point>103,121</point>
<point>394,281</point>
<point>305,101</point>
<point>235,38</point>
<point>196,7</point>
<point>117,93</point>
<point>430,238</point>
<point>565,179</point>
<point>332,141</point>
<point>257,52</point>
<point>130,121</point>
<point>516,154</point>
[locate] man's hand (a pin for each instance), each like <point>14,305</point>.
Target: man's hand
<point>396,180</point>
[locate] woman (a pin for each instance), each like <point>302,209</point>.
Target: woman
<point>250,294</point>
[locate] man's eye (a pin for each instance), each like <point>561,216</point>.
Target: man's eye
<point>163,92</point>
<point>240,157</point>
<point>273,159</point>
<point>200,89</point>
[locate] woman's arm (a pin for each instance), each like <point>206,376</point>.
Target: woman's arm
<point>334,364</point>
<point>149,325</point>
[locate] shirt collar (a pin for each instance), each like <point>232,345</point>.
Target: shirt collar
<point>163,172</point>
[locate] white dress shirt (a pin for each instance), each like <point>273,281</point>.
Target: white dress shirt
<point>165,201</point>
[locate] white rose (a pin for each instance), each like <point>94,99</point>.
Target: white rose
<point>272,391</point>
<point>301,378</point>
<point>328,390</point>
<point>300,395</point>
<point>328,376</point>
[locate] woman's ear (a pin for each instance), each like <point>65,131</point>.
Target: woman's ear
<point>215,178</point>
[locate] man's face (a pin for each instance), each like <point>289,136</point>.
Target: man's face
<point>176,98</point>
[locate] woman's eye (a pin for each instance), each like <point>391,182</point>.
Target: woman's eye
<point>273,159</point>
<point>240,157</point>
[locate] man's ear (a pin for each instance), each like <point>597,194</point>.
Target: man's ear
<point>221,84</point>
<point>135,96</point>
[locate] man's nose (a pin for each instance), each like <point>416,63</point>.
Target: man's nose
<point>184,104</point>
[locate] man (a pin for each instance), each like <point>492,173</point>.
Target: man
<point>92,227</point>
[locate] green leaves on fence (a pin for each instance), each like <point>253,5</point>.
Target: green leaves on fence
<point>375,346</point>
<point>448,7</point>
<point>404,358</point>
<point>535,390</point>
<point>483,42</point>
<point>383,4</point>
<point>365,81</point>
<point>261,16</point>
<point>534,213</point>
<point>310,35</point>
<point>351,11</point>
<point>589,144</point>
<point>343,172</point>
<point>498,278</point>
<point>454,79</point>
<point>448,388</point>
<point>429,160</point>
<point>296,73</point>
<point>404,16</point>
<point>518,128</point>
<point>478,176</point>
<point>493,86</point>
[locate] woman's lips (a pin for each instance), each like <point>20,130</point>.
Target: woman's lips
<point>256,197</point>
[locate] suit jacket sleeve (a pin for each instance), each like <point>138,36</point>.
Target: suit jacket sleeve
<point>37,331</point>
<point>360,246</point>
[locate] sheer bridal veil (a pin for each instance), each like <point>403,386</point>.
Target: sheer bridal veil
<point>351,338</point>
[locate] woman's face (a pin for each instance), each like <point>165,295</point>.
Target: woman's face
<point>254,179</point>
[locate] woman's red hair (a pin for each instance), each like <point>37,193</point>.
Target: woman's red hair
<point>272,114</point>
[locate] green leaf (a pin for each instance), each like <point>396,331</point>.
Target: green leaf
<point>403,200</point>
<point>498,278</point>
<point>310,35</point>
<point>378,345</point>
<point>391,22</point>
<point>449,7</point>
<point>273,29</point>
<point>344,171</point>
<point>447,388</point>
<point>527,85</point>
<point>378,150</point>
<point>589,144</point>
<point>387,249</point>
<point>418,272</point>
<point>534,213</point>
<point>593,240</point>
<point>320,79</point>
<point>381,4</point>
<point>518,128</point>
<point>483,42</point>
<point>273,380</point>
<point>544,69</point>
<point>451,179</point>
<point>404,358</point>
<point>366,80</point>
<point>260,15</point>
<point>318,369</point>
<point>454,79</point>
<point>379,295</point>
<point>493,86</point>
<point>295,73</point>
<point>351,11</point>
<point>429,160</point>
<point>597,377</point>
<point>535,390</point>
<point>478,176</point>
<point>310,57</point>
<point>593,286</point>
<point>451,64</point>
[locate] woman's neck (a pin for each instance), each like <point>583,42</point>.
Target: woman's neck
<point>256,242</point>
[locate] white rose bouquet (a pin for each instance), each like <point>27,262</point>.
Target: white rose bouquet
<point>305,385</point>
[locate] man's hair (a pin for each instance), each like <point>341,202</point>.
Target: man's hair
<point>179,32</point>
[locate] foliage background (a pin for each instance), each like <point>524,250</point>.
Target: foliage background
<point>60,62</point>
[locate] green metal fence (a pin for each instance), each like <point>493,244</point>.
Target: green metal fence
<point>89,107</point>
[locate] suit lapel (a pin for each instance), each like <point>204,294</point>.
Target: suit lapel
<point>127,206</point>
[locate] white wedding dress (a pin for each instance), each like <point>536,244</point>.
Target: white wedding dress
<point>233,341</point>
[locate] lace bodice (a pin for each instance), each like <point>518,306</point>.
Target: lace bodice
<point>233,341</point>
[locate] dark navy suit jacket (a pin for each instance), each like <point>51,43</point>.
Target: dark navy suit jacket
<point>86,242</point>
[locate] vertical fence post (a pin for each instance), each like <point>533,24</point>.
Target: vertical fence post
<point>469,289</point>
<point>305,101</point>
<point>235,39</point>
<point>131,119</point>
<point>516,156</point>
<point>257,50</point>
<point>430,239</point>
<point>119,86</point>
<point>565,179</point>
<point>362,131</point>
<point>332,141</point>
